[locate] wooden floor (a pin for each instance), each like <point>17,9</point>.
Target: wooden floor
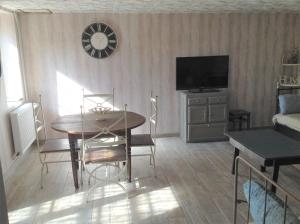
<point>193,185</point>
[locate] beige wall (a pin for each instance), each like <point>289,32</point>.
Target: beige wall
<point>9,59</point>
<point>145,58</point>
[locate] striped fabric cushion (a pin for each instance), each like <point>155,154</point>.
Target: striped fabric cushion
<point>274,208</point>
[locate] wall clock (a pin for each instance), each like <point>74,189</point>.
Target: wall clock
<point>99,40</point>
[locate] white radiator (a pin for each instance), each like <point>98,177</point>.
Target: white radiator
<point>23,127</point>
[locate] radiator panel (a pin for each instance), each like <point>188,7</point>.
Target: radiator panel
<point>23,127</point>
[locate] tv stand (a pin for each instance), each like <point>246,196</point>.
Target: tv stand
<point>203,115</point>
<point>203,90</point>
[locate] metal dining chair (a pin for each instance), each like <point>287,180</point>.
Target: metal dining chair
<point>45,145</point>
<point>99,102</point>
<point>104,149</point>
<point>142,140</point>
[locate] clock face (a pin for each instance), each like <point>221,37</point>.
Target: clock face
<point>99,40</point>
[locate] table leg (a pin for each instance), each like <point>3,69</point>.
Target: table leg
<point>129,155</point>
<point>74,159</point>
<point>275,174</point>
<point>236,154</point>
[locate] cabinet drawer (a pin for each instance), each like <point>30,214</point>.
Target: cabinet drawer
<point>217,99</point>
<point>197,114</point>
<point>217,113</point>
<point>206,132</point>
<point>198,100</point>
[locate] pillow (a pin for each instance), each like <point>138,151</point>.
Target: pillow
<point>289,103</point>
<point>274,209</point>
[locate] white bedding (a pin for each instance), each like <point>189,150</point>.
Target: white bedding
<point>290,120</point>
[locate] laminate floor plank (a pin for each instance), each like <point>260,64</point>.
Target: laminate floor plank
<point>193,185</point>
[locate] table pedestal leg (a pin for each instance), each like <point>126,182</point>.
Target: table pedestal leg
<point>74,159</point>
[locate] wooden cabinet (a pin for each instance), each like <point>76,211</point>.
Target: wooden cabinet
<point>203,116</point>
<point>197,114</point>
<point>217,113</point>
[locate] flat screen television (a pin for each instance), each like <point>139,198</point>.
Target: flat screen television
<point>205,72</point>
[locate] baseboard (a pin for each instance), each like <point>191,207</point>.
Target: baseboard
<point>166,135</point>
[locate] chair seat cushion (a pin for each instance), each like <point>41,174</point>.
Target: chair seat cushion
<point>55,145</point>
<point>274,208</point>
<point>107,154</point>
<point>141,140</point>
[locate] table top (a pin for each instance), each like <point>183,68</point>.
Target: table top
<point>266,143</point>
<point>71,124</point>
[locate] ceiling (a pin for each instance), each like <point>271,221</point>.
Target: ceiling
<point>153,6</point>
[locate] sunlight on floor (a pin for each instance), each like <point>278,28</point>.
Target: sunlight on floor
<point>109,204</point>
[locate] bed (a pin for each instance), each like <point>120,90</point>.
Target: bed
<point>288,124</point>
<point>289,120</point>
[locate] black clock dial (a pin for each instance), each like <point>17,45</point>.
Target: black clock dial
<point>99,40</point>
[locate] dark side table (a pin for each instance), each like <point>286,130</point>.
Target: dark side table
<point>266,146</point>
<point>239,116</point>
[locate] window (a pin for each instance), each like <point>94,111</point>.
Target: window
<point>12,76</point>
<point>10,63</point>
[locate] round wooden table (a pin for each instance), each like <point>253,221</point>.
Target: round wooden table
<point>71,124</point>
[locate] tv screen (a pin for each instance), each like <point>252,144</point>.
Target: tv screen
<point>202,72</point>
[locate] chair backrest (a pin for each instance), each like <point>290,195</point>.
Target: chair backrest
<point>39,121</point>
<point>104,136</point>
<point>153,119</point>
<point>99,102</point>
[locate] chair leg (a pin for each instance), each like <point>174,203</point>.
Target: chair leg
<point>41,180</point>
<point>107,180</point>
<point>153,159</point>
<point>89,181</point>
<point>119,171</point>
<point>81,172</point>
<point>107,174</point>
<point>47,170</point>
<point>151,156</point>
<point>154,166</point>
<point>89,193</point>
